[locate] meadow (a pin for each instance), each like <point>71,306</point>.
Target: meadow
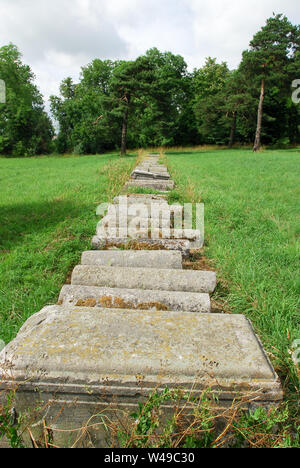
<point>48,217</point>
<point>252,224</point>
<point>252,229</point>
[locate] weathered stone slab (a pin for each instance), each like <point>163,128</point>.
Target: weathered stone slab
<point>145,210</point>
<point>159,169</point>
<point>196,245</point>
<point>154,176</point>
<point>145,278</point>
<point>74,362</point>
<point>142,229</point>
<point>143,174</point>
<point>116,298</point>
<point>181,245</point>
<point>163,185</point>
<point>141,198</point>
<point>165,259</point>
<point>121,231</point>
<point>149,171</point>
<point>124,219</point>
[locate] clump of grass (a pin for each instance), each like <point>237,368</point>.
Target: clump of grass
<point>142,190</point>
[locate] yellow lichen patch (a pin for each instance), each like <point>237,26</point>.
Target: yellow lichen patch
<point>90,302</point>
<point>115,303</point>
<point>152,305</point>
<point>106,301</point>
<point>119,303</point>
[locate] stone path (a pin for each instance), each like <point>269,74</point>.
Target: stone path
<point>150,212</point>
<point>151,174</point>
<point>134,320</point>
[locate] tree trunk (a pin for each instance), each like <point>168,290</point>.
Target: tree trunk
<point>232,131</point>
<point>124,130</point>
<point>257,142</point>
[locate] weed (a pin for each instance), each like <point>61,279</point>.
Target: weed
<point>174,419</point>
<point>9,423</point>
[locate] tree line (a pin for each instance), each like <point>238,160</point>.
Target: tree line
<point>155,101</point>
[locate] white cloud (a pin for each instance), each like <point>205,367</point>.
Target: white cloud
<point>224,28</point>
<point>58,37</point>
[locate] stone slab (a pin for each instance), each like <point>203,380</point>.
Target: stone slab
<point>143,229</point>
<point>74,362</point>
<point>163,185</point>
<point>155,177</point>
<point>143,174</point>
<point>145,210</point>
<point>116,298</point>
<point>183,246</point>
<point>165,259</point>
<point>112,222</point>
<point>159,169</point>
<point>153,164</point>
<point>141,198</point>
<point>145,278</point>
<point>164,221</point>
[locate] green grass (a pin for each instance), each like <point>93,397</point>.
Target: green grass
<point>48,217</point>
<point>252,227</point>
<point>48,207</point>
<point>142,190</point>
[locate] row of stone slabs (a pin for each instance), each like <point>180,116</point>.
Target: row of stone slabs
<point>132,321</point>
<point>150,174</point>
<point>154,222</point>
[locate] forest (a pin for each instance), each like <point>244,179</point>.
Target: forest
<point>156,101</point>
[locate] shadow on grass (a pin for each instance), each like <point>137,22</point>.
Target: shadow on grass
<point>185,152</point>
<point>196,152</point>
<point>20,220</point>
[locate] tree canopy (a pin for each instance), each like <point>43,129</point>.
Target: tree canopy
<point>25,127</point>
<point>156,101</point>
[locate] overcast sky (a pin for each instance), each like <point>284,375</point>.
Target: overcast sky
<point>57,37</point>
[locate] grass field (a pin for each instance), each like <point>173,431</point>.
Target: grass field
<point>48,217</point>
<point>252,222</point>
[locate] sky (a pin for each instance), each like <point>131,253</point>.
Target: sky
<point>58,37</point>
